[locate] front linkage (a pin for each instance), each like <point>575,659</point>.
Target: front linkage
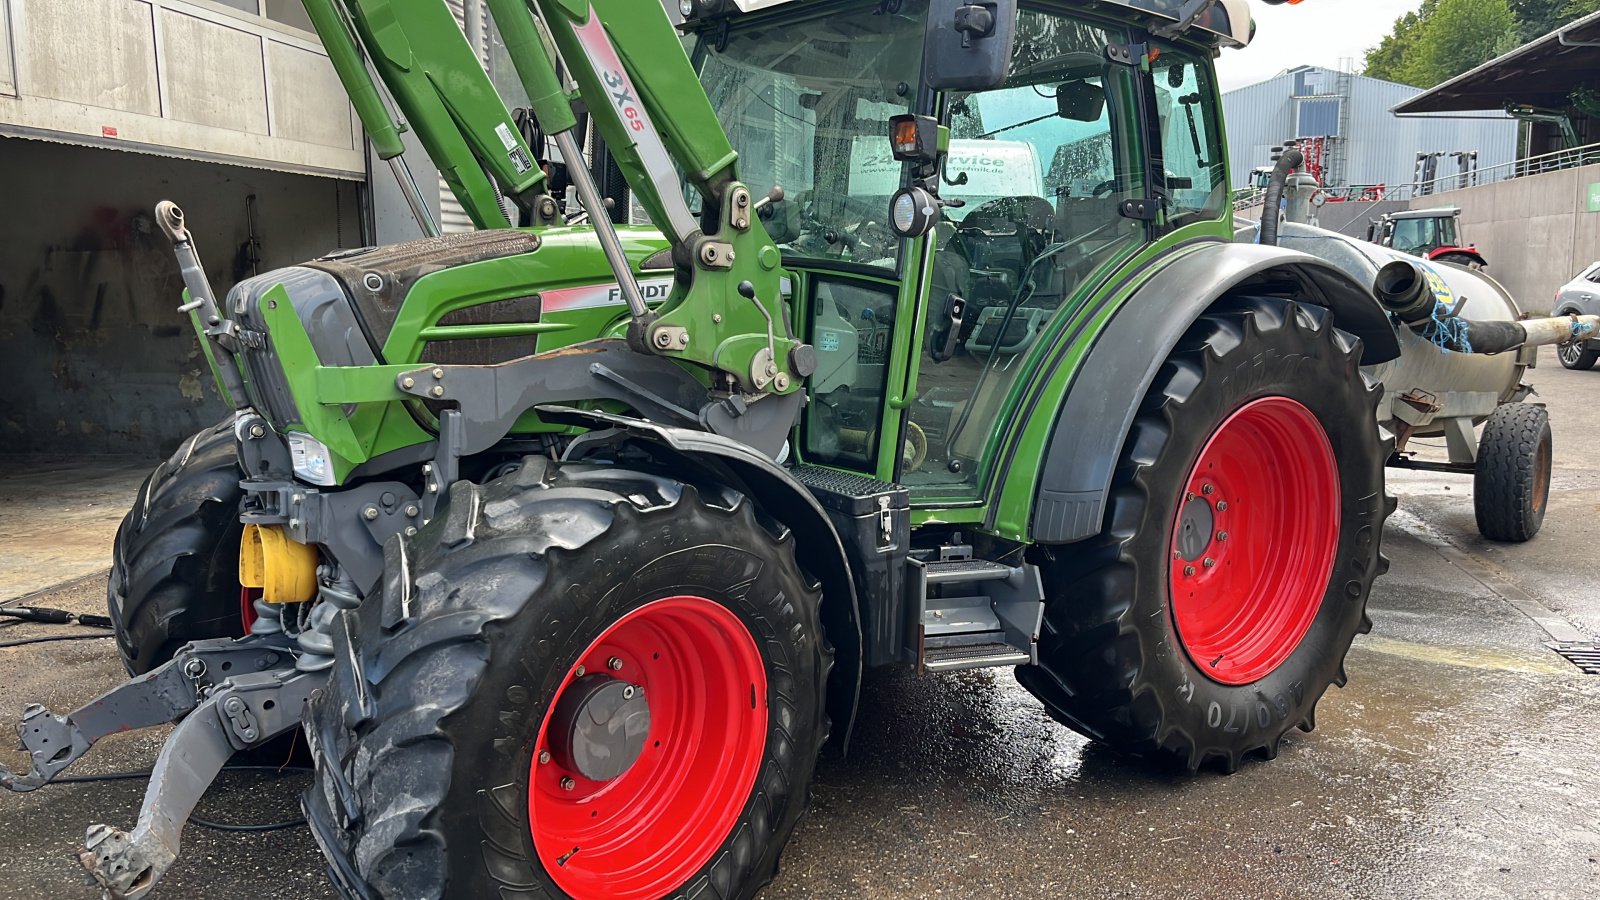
<point>226,696</point>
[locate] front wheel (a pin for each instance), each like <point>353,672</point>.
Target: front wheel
<point>579,681</point>
<point>1240,544</point>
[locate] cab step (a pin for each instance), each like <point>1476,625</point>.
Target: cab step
<point>974,613</point>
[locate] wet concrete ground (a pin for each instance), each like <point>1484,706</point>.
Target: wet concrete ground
<point>1462,761</point>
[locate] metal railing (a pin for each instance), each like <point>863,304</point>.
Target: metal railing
<point>1542,164</point>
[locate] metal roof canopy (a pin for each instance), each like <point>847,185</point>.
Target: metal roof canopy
<point>1541,73</point>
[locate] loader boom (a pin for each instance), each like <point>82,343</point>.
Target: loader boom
<point>724,311</point>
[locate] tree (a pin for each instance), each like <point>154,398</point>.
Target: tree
<point>1392,59</point>
<point>1444,38</point>
<point>1464,34</point>
<point>1540,17</point>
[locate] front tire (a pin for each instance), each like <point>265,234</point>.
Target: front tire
<point>1240,544</point>
<point>450,758</point>
<point>175,559</point>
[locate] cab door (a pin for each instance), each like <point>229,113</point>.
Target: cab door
<point>1036,178</point>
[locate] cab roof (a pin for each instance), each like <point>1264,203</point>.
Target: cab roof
<point>1226,22</point>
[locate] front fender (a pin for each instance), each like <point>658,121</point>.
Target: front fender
<point>816,543</point>
<point>1103,396</point>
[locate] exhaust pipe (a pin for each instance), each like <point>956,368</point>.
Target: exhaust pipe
<point>1402,287</point>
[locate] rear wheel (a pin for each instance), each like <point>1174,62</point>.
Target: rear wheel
<point>175,559</point>
<point>1577,355</point>
<point>1240,545</point>
<point>1511,484</point>
<point>579,681</point>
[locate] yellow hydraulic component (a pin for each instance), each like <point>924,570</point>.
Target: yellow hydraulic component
<point>284,570</point>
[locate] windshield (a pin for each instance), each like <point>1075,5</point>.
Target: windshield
<point>806,105</point>
<point>1423,235</point>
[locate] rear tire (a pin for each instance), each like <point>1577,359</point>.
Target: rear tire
<point>1577,356</point>
<point>430,779</point>
<point>1119,651</point>
<point>1511,484</point>
<point>175,559</point>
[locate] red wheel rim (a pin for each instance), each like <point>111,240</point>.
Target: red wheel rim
<point>646,831</point>
<point>1254,540</point>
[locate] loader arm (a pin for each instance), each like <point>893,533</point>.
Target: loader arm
<point>724,312</point>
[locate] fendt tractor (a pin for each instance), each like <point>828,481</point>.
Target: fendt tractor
<point>566,542</point>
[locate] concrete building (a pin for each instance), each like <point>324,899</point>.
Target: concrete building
<point>1363,142</point>
<point>229,108</point>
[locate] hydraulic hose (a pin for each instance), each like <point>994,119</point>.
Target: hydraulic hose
<point>1290,160</point>
<point>1402,288</point>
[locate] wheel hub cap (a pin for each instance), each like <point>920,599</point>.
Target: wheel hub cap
<point>599,726</point>
<point>1254,540</point>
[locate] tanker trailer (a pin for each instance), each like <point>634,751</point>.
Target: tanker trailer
<point>1465,347</point>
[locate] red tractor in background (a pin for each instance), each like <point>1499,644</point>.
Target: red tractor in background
<point>1433,234</point>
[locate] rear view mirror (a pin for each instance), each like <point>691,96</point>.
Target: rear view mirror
<point>1080,101</point>
<point>969,43</point>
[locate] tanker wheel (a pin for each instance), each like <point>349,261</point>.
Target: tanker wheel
<point>175,559</point>
<point>1511,482</point>
<point>1577,355</point>
<point>1241,541</point>
<point>579,681</point>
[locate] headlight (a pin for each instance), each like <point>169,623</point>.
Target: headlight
<point>312,461</point>
<point>912,212</point>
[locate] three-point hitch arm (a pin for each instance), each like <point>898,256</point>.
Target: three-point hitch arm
<point>623,60</point>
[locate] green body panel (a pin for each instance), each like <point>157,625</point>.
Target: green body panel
<point>380,422</point>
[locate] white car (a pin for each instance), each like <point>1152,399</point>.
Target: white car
<point>1580,296</point>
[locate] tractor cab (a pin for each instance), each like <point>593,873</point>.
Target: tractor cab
<point>928,344</point>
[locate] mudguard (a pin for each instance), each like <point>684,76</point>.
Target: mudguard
<point>1469,252</point>
<point>1092,424</point>
<point>817,544</point>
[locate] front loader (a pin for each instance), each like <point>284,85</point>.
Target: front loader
<point>566,545</point>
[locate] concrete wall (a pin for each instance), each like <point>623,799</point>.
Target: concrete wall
<point>93,354</point>
<point>189,78</point>
<point>1536,231</point>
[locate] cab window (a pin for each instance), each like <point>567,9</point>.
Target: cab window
<point>1193,157</point>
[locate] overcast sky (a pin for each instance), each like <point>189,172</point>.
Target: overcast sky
<point>1314,33</point>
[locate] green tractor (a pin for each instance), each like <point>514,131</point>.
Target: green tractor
<point>567,541</point>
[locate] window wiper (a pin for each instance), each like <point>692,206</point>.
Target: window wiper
<point>1049,115</point>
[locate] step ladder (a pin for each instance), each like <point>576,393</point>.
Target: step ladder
<point>974,613</point>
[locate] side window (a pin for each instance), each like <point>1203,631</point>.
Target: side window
<point>1191,145</point>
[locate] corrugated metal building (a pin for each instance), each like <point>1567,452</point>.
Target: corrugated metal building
<point>1367,144</point>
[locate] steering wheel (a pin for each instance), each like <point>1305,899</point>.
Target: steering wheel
<point>858,239</point>
<point>1105,188</point>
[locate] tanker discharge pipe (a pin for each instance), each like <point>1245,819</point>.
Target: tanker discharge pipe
<point>1403,289</point>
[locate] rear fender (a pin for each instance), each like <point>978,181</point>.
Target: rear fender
<point>1093,421</point>
<point>1471,252</point>
<point>816,543</point>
